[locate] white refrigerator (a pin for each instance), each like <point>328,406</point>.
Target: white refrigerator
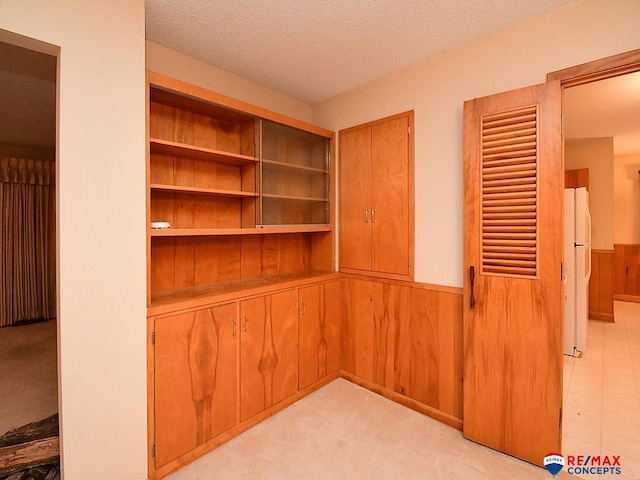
<point>577,269</point>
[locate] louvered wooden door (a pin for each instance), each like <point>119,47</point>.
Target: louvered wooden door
<point>513,180</point>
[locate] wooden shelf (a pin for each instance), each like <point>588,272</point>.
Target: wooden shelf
<point>166,95</point>
<point>293,166</point>
<point>165,302</point>
<point>166,147</point>
<point>294,197</point>
<point>206,232</point>
<point>204,191</point>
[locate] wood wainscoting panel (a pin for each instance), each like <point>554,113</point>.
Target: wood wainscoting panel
<point>428,350</point>
<point>601,286</point>
<point>405,338</point>
<point>626,272</point>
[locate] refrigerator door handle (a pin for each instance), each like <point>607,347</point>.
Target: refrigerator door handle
<point>587,277</point>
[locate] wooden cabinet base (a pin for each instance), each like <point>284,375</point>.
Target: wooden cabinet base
<point>626,298</point>
<point>207,447</point>
<point>405,401</point>
<point>603,317</point>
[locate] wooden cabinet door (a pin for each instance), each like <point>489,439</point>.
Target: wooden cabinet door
<point>318,332</point>
<point>513,187</point>
<point>390,196</point>
<point>355,199</point>
<point>196,378</point>
<point>268,352</point>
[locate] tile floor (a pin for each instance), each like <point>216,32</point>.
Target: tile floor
<point>602,393</point>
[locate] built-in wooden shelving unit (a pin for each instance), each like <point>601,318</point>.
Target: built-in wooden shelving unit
<point>246,192</point>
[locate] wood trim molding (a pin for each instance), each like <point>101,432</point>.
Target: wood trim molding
<point>626,298</point>
<point>613,66</point>
<point>408,113</point>
<point>603,317</point>
<point>405,401</point>
<point>405,283</point>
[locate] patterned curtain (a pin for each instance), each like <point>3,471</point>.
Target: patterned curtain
<point>27,249</point>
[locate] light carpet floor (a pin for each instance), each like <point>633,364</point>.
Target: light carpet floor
<point>343,431</point>
<point>28,374</point>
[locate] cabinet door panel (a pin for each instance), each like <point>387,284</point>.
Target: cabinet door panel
<point>195,379</point>
<point>355,199</point>
<point>318,332</point>
<point>390,196</point>
<point>269,351</point>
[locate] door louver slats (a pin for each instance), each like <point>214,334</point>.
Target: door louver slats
<point>509,149</point>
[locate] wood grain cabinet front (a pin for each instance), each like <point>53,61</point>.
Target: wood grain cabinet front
<point>196,356</point>
<point>318,332</point>
<point>376,194</point>
<point>269,351</point>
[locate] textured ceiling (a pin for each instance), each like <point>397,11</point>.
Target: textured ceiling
<point>608,108</point>
<point>313,50</point>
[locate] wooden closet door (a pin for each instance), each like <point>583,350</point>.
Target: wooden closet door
<point>390,196</point>
<point>355,199</point>
<point>512,321</point>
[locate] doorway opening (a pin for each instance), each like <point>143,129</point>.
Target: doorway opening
<point>29,427</point>
<point>602,386</point>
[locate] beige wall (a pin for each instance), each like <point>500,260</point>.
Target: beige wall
<point>596,154</point>
<point>101,179</point>
<point>436,88</point>
<point>169,62</point>
<point>101,226</point>
<point>626,188</point>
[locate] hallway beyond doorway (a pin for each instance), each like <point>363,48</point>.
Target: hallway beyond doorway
<point>602,393</point>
